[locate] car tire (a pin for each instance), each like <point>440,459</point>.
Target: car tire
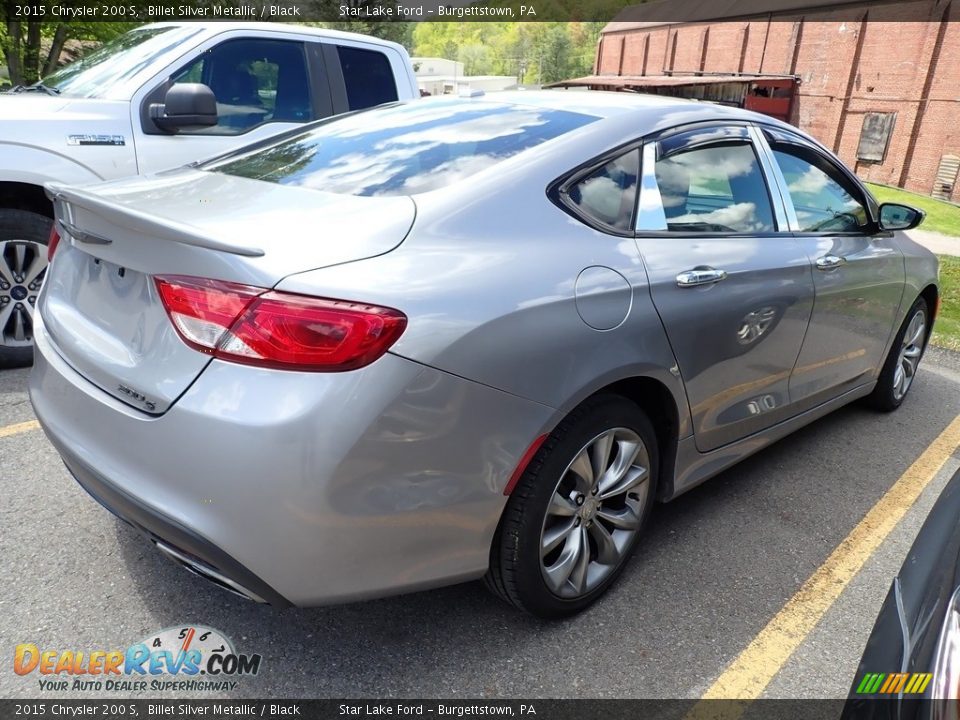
<point>23,253</point>
<point>555,502</point>
<point>900,367</point>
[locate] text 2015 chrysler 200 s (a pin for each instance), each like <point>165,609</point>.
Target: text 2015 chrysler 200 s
<point>463,337</point>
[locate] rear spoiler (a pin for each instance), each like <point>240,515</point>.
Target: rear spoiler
<point>138,222</point>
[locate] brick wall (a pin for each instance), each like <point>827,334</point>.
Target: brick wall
<point>876,59</point>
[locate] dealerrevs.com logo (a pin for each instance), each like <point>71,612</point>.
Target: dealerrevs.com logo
<point>192,658</point>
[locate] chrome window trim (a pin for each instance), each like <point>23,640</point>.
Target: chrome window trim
<point>650,213</point>
<point>785,213</point>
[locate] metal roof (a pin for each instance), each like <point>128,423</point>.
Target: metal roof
<point>666,12</point>
<point>639,81</point>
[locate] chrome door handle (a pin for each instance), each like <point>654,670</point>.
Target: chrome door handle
<point>700,276</point>
<point>829,262</point>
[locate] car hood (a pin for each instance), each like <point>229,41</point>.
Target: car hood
<point>48,121</point>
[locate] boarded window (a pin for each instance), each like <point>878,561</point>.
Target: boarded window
<point>875,136</point>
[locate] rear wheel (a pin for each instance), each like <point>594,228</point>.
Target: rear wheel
<point>23,263</point>
<point>900,367</point>
<point>577,513</point>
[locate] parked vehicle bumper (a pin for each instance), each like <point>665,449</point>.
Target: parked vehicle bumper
<point>301,488</point>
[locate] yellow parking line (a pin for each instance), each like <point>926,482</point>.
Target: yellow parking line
<point>18,428</point>
<point>748,675</point>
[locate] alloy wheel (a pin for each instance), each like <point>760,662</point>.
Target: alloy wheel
<point>910,351</point>
<point>595,512</point>
<point>23,264</point>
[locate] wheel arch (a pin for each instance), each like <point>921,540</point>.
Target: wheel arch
<point>26,169</point>
<point>25,196</point>
<point>656,400</point>
<point>661,406</point>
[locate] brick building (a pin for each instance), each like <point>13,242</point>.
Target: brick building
<point>878,82</point>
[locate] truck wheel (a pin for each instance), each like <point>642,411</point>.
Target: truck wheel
<point>23,263</point>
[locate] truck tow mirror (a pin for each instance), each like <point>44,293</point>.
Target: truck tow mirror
<point>186,105</point>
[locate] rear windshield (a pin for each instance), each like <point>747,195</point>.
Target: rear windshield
<point>402,149</point>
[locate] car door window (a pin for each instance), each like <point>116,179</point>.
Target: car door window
<point>255,82</point>
<point>608,195</point>
<point>714,188</point>
<point>824,200</point>
<point>368,77</point>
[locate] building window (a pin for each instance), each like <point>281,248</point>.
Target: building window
<point>875,136</point>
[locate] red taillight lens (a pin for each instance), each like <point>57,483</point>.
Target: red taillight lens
<point>273,329</point>
<point>52,242</point>
<point>203,310</point>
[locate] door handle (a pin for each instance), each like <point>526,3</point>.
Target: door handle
<point>829,262</point>
<point>700,276</point>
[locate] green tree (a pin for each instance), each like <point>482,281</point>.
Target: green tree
<point>394,30</point>
<point>555,49</point>
<point>32,48</point>
<point>475,58</point>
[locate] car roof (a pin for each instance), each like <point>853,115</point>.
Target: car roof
<point>609,104</point>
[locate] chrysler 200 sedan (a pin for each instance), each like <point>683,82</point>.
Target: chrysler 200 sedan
<point>463,338</point>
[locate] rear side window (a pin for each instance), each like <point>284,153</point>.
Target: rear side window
<point>402,149</point>
<point>718,188</point>
<point>609,194</point>
<point>368,77</point>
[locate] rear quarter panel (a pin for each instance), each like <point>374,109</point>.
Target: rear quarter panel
<point>487,279</point>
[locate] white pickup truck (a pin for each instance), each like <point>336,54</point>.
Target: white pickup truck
<point>158,97</point>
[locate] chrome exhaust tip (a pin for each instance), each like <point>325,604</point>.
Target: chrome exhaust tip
<point>207,573</point>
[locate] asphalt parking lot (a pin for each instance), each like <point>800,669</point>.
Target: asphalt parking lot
<point>716,566</point>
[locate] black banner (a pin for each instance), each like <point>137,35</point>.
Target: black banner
<point>661,11</point>
<point>532,708</point>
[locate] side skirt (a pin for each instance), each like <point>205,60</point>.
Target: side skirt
<point>694,467</point>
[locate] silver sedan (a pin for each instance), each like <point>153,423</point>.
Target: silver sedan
<point>463,338</point>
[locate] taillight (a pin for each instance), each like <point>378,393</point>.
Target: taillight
<point>257,326</point>
<point>52,242</point>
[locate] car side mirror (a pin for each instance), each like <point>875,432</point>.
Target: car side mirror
<point>186,105</point>
<point>894,216</point>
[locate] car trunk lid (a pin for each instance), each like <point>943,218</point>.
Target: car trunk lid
<point>100,304</point>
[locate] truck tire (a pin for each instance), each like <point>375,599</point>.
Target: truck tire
<point>23,263</point>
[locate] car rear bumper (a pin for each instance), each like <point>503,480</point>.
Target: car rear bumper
<point>300,488</point>
<point>178,542</point>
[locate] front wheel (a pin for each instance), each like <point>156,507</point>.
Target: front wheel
<point>23,262</point>
<point>900,368</point>
<point>577,513</point>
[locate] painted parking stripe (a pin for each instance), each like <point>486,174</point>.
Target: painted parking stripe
<point>750,673</point>
<point>8,430</point>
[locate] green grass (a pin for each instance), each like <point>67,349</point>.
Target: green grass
<point>942,217</point>
<point>946,329</point>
